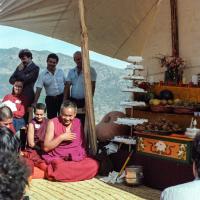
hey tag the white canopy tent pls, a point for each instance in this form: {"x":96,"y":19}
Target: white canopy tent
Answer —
{"x":112,"y":24}
{"x":116,"y":28}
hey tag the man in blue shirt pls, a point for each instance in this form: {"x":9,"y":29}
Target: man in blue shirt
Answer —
{"x":74,"y":87}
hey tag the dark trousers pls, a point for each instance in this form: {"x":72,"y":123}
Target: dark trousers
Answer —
{"x":53,"y":104}
{"x":80,"y":104}
{"x":23,"y":138}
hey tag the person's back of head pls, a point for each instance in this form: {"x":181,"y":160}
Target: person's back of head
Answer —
{"x":13,"y":176}
{"x":8,"y":141}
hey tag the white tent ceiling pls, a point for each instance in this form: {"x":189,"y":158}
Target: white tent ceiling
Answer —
{"x":116,"y":28}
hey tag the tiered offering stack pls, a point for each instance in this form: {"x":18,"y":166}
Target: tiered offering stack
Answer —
{"x":133,"y":77}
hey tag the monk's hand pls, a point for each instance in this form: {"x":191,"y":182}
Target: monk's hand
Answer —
{"x":69,"y":136}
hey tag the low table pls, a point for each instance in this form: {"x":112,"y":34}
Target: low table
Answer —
{"x":166,"y":159}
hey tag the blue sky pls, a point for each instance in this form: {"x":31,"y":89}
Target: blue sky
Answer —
{"x":13,"y":37}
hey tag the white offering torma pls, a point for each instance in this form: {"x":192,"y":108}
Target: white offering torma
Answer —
{"x":133,"y":89}
{"x":133,"y":77}
{"x":125,"y":140}
{"x":135,"y":59}
{"x":133,"y":67}
{"x":132,"y":103}
{"x":130,"y":121}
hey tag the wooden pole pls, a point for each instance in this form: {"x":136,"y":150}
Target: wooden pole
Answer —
{"x":87,"y":81}
{"x":174,"y":28}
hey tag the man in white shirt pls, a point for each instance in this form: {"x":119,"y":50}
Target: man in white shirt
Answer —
{"x":53,"y":80}
{"x":74,"y":87}
{"x":190,"y":190}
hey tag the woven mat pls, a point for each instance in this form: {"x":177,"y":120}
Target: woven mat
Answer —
{"x":141,"y":191}
{"x":93,"y":189}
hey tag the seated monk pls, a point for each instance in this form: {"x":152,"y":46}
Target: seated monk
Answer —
{"x":64,"y":143}
{"x":36,"y":134}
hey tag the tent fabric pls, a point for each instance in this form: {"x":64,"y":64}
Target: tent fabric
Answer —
{"x":116,"y":28}
{"x":112,"y":24}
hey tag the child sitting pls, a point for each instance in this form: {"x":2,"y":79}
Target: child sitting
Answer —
{"x":18,"y":105}
{"x":36,"y":134}
{"x":37,"y":127}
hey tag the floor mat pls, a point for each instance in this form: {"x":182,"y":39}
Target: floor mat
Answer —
{"x":141,"y":191}
{"x":93,"y":189}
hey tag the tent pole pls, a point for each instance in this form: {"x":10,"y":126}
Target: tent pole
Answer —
{"x":174,"y":28}
{"x":87,"y":81}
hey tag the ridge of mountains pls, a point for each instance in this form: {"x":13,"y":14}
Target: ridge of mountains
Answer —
{"x":108,"y":85}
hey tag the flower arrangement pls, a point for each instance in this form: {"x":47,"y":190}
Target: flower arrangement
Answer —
{"x":171,"y":62}
{"x":174,"y":68}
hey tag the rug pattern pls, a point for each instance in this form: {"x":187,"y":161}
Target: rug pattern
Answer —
{"x":93,"y":189}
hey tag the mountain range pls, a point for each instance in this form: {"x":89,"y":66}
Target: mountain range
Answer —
{"x":108,"y":85}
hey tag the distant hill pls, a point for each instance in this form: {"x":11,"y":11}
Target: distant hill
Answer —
{"x":107,"y":95}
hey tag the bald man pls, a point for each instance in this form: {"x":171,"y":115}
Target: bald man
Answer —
{"x":74,"y":87}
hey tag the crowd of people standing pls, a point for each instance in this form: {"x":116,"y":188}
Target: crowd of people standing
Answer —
{"x":58,"y":138}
